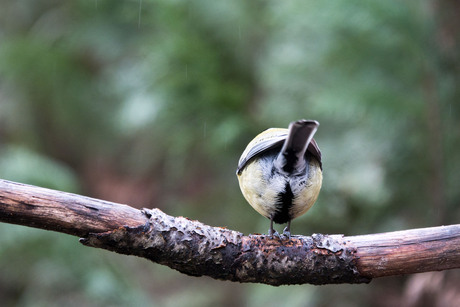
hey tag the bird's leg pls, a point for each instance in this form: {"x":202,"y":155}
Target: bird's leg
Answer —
{"x":271,"y":231}
{"x":287,"y":230}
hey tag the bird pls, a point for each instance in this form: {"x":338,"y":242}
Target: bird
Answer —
{"x":280,"y":172}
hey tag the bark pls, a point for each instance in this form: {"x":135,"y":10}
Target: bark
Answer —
{"x":197,"y":249}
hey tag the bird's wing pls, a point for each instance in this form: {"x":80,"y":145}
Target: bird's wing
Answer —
{"x":315,"y":151}
{"x":270,"y":139}
{"x":266,"y":140}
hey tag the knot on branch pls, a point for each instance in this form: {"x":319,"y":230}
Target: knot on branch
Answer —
{"x":196,"y":249}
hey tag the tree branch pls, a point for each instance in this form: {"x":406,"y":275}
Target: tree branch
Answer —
{"x":197,"y":249}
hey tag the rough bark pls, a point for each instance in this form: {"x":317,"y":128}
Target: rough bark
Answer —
{"x":197,"y":249}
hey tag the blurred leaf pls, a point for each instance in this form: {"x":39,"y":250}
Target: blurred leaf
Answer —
{"x":23,"y":165}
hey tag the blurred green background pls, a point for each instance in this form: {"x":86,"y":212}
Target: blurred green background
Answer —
{"x":150,"y":103}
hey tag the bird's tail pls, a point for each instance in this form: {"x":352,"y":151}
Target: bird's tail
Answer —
{"x":291,"y":158}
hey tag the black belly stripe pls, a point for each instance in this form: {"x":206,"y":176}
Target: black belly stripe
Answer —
{"x":283,"y":205}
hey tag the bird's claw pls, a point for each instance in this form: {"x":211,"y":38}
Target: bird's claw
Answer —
{"x":273,"y":233}
{"x":287,"y":233}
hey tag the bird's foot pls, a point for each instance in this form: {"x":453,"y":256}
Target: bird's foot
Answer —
{"x":273,"y":233}
{"x":287,"y":233}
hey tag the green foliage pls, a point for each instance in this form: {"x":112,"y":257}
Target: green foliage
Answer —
{"x":22,"y":165}
{"x":151,"y":103}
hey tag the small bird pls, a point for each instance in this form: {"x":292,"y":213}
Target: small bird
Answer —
{"x":280,"y":172}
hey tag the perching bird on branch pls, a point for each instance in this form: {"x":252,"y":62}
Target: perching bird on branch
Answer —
{"x":280,"y":172}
